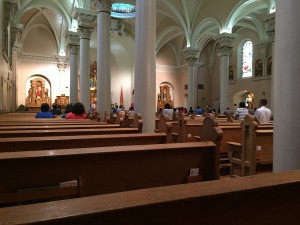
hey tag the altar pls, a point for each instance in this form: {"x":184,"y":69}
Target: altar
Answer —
{"x":37,"y":94}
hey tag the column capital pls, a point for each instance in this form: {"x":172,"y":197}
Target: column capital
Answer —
{"x":225,"y":39}
{"x":270,"y":21}
{"x":103,"y":5}
{"x":13,"y":35}
{"x":191,"y":55}
{"x":61,"y":66}
{"x":10,"y":9}
{"x":72,"y":38}
{"x":74,"y":49}
{"x":84,"y":17}
{"x":85,"y":32}
{"x":224,"y":51}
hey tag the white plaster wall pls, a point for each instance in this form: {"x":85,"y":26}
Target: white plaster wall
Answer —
{"x":171,"y":77}
{"x":27,"y":69}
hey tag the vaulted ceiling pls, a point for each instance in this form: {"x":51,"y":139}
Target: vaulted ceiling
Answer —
{"x":180,"y":23}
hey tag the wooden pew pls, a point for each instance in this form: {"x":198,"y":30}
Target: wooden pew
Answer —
{"x":167,"y":126}
{"x":79,"y":141}
{"x":105,"y":169}
{"x":57,"y":126}
{"x":261,"y":199}
{"x":256,"y":147}
{"x":37,"y":122}
{"x":66,"y":132}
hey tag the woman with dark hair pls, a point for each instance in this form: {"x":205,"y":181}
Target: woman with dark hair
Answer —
{"x":44,"y":113}
{"x":69,"y":108}
{"x":78,"y":112}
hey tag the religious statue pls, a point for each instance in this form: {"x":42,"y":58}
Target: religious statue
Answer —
{"x":249,"y":102}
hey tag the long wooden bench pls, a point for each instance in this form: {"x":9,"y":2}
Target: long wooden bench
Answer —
{"x":256,"y":147}
{"x":66,"y":132}
{"x":262,"y":199}
{"x":57,"y":126}
{"x":105,"y":169}
{"x":79,"y":141}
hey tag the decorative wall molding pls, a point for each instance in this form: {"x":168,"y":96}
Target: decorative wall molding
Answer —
{"x":40,"y":58}
{"x":171,"y":69}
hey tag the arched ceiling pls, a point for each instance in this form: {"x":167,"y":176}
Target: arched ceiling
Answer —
{"x":180,"y":23}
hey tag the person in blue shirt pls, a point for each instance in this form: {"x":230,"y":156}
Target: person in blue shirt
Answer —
{"x":44,"y":113}
{"x":198,"y":111}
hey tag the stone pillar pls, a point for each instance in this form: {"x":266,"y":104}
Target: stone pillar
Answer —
{"x":84,"y":18}
{"x":61,"y":75}
{"x":191,"y":57}
{"x":145,"y":63}
{"x":270,"y":20}
{"x":103,"y":57}
{"x":286,"y":141}
{"x":224,"y":50}
{"x":73,"y":45}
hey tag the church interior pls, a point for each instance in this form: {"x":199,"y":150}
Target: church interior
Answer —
{"x":145,"y":167}
{"x":35,"y":49}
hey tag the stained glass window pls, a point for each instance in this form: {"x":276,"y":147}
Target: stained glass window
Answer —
{"x":247,"y":56}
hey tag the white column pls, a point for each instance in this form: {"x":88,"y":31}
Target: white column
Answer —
{"x":103,"y":57}
{"x":286,"y":87}
{"x":271,"y":32}
{"x":61,"y":76}
{"x":223,"y":51}
{"x":84,"y":18}
{"x":73,"y":45}
{"x":145,"y":63}
{"x":191,"y":57}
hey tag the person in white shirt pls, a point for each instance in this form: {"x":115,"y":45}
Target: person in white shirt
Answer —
{"x":241,"y":111}
{"x":263,"y":114}
{"x":168,"y":111}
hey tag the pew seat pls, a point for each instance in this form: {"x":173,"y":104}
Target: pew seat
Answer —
{"x":261,"y":199}
{"x":79,"y":141}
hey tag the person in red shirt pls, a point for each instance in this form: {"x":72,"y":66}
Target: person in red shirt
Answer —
{"x":78,"y":112}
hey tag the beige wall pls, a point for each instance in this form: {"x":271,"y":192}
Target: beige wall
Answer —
{"x":27,"y":69}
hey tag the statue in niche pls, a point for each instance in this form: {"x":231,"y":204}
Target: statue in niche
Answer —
{"x":38,"y":90}
{"x":269,"y":67}
{"x":231,"y":73}
{"x":258,"y":68}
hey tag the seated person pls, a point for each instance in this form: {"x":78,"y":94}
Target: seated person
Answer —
{"x":191,"y":111}
{"x":263,"y":114}
{"x":44,"y":113}
{"x":69,"y":108}
{"x":78,"y":112}
{"x":55,"y":109}
{"x":167,"y":111}
{"x":241,"y":111}
{"x":198,"y":111}
{"x":227,"y":111}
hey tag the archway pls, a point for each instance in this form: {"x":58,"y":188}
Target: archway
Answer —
{"x":165,"y":95}
{"x":245,"y":96}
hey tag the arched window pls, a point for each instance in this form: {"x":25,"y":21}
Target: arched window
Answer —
{"x":247,"y":56}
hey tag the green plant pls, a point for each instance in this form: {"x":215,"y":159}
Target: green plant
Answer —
{"x":22,"y":108}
